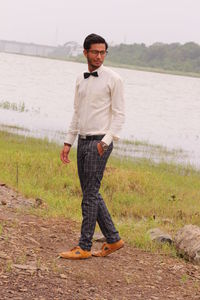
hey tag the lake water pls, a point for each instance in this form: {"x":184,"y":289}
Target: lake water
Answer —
{"x":161,"y":109}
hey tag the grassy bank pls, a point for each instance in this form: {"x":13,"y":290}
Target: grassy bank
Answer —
{"x":140,"y":194}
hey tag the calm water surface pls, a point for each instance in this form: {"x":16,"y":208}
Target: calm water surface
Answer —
{"x":161,"y":109}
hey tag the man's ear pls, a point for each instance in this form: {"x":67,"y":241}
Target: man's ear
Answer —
{"x":85,"y":53}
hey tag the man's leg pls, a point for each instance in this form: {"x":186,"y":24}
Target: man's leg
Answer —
{"x":105,"y":222}
{"x":91,"y":174}
{"x":77,"y":252}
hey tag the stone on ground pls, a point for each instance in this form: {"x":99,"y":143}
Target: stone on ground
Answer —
{"x":187,"y":242}
{"x":159,"y":236}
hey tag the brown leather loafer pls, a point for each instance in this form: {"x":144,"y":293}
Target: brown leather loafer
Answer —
{"x":108,"y":249}
{"x":76,"y":253}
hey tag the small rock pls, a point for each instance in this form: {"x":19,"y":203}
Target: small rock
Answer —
{"x":11,"y":292}
{"x":63,"y":276}
{"x":99,"y":238}
{"x":4,"y":276}
{"x":60,"y":291}
{"x":177,"y":267}
{"x":159,"y":278}
{"x":53,"y":236}
{"x":141,"y":261}
{"x":23,"y":290}
{"x":25,"y":267}
{"x":108,"y":281}
{"x":4,"y":255}
{"x":3,"y":202}
{"x":32,"y":240}
{"x":92,"y":290}
{"x":159,"y":236}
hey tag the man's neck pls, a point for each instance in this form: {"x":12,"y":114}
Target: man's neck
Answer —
{"x":92,"y":68}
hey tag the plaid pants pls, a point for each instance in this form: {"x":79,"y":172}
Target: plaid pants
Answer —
{"x":90,"y":170}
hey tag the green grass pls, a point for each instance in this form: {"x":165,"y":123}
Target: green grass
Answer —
{"x":12,"y":106}
{"x":139,"y":193}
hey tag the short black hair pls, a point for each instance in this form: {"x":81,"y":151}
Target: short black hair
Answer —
{"x":94,"y":39}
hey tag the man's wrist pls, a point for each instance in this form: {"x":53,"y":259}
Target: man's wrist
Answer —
{"x":67,"y":144}
{"x":104,"y":146}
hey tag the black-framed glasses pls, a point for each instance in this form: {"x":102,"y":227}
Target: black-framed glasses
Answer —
{"x":96,"y":52}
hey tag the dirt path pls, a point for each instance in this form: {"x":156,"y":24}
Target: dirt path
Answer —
{"x":30,"y":269}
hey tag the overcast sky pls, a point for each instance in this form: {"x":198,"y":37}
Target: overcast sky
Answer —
{"x":55,"y":22}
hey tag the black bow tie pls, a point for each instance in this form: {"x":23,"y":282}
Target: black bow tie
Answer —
{"x":87,"y":74}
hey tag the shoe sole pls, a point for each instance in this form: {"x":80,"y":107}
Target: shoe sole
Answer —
{"x":75,"y":258}
{"x":109,"y":252}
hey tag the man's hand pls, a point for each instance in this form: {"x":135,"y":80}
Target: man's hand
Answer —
{"x":102,"y":147}
{"x":65,"y":153}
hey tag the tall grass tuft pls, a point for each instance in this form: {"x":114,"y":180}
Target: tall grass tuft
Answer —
{"x":13,"y":106}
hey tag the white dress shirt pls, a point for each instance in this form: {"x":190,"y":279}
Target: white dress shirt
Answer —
{"x":98,"y":106}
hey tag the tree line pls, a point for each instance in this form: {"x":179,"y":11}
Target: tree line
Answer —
{"x":168,"y":57}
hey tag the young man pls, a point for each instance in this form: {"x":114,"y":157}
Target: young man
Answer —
{"x":97,"y":119}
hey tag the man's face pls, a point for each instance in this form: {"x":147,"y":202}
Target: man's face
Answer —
{"x":95,"y":56}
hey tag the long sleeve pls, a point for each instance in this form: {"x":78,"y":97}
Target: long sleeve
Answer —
{"x":117,"y":110}
{"x":73,"y":128}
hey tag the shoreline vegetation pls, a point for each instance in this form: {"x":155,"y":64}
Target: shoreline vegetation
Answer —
{"x":124,"y":148}
{"x":174,"y":58}
{"x":139,"y":193}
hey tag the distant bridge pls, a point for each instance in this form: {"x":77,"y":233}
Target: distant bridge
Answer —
{"x":26,"y":48}
{"x":68,"y":49}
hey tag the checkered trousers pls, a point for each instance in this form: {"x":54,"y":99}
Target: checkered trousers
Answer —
{"x":90,"y":169}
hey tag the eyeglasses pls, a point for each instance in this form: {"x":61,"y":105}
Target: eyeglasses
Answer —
{"x":96,"y":52}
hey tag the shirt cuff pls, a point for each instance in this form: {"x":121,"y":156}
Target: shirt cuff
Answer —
{"x":70,"y":138}
{"x":107,"y":139}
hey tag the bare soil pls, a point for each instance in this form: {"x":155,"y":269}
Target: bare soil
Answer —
{"x":30,"y":268}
